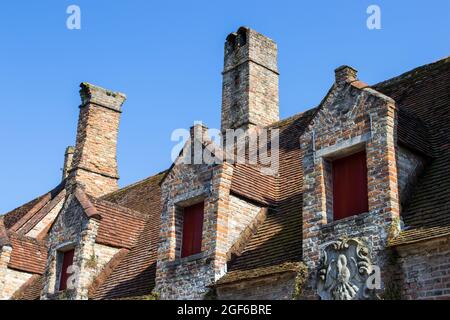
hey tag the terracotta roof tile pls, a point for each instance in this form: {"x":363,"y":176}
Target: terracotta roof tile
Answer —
{"x":28,"y":254}
{"x":134,"y":275}
{"x":26,"y":213}
{"x":424,"y":93}
{"x":236,"y":276}
{"x":419,"y":234}
{"x":119,"y":226}
{"x":278,"y":239}
{"x":30,"y":290}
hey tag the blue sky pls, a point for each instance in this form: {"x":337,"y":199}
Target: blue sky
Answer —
{"x":167,"y":57}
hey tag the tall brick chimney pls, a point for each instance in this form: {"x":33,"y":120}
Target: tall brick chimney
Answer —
{"x":94,"y":164}
{"x":250,"y":81}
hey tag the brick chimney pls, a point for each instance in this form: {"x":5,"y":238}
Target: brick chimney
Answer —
{"x":345,"y":74}
{"x":250,"y":81}
{"x":68,"y":158}
{"x":94,"y":164}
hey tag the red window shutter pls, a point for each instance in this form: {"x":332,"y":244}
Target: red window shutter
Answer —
{"x":192,"y":230}
{"x":350,"y":186}
{"x":67,"y":262}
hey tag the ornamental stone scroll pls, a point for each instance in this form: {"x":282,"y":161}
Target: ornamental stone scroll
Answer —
{"x":344,"y":271}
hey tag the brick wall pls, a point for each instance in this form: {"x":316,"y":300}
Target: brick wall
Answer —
{"x":350,"y":119}
{"x":422,"y":269}
{"x":187,"y":278}
{"x":73,"y":229}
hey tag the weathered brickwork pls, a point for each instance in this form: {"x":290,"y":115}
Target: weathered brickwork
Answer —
{"x":263,"y":237}
{"x":94,"y":164}
{"x":66,"y":234}
{"x":250,"y":81}
{"x":422,"y":270}
{"x":74,"y":230}
{"x":351,"y":118}
{"x":275,"y":287}
{"x":188,"y":278}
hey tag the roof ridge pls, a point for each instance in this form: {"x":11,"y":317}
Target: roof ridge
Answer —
{"x":89,"y":208}
{"x":134,"y":184}
{"x":412,"y":72}
{"x":295,"y":116}
{"x":34,"y":203}
{"x":22,"y":237}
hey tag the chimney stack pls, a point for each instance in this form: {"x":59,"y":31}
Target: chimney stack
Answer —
{"x":94,"y":164}
{"x":345,"y":74}
{"x":68,"y":158}
{"x":250,"y":81}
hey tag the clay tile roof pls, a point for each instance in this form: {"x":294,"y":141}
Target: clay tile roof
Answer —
{"x":414,"y":133}
{"x":28,"y":254}
{"x":236,"y":276}
{"x":31,"y":289}
{"x":419,"y":234}
{"x":16,"y":218}
{"x":86,"y":203}
{"x":248,"y":181}
{"x":133,"y":273}
{"x":278,"y":239}
{"x":424,"y":122}
{"x":33,"y":220}
{"x":139,"y":195}
{"x":119,"y":226}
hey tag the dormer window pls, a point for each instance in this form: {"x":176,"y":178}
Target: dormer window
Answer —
{"x":350,"y":195}
{"x":67,"y":261}
{"x":192,"y":229}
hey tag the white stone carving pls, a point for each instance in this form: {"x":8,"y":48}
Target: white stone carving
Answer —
{"x":344,"y":269}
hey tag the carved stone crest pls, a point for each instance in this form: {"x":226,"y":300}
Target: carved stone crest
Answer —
{"x":344,"y":270}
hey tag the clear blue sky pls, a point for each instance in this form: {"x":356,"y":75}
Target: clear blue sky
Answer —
{"x":167,"y":57}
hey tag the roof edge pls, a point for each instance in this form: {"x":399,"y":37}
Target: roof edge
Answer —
{"x":256,"y":273}
{"x":413,"y":72}
{"x":88,"y":208}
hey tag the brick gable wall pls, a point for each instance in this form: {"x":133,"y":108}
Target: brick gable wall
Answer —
{"x":350,"y":118}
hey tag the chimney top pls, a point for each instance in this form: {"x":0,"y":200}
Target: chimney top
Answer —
{"x":70,"y":149}
{"x":346,"y":74}
{"x":199,"y":131}
{"x":90,"y":93}
{"x":68,"y":158}
{"x":94,"y":164}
